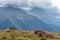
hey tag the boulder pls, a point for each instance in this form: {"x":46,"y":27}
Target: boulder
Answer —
{"x":40,"y":33}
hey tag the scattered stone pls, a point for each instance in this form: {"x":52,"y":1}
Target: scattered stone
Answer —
{"x":9,"y":29}
{"x":40,"y":33}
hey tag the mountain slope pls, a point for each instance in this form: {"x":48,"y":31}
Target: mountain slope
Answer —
{"x":22,"y":20}
{"x":47,"y":15}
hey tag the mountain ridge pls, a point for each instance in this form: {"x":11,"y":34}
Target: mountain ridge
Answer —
{"x":22,"y":20}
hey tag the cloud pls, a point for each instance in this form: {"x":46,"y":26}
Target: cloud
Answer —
{"x":29,"y":4}
{"x":56,"y":3}
{"x":26,"y":4}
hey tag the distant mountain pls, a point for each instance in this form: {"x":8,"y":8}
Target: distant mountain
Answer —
{"x":20,"y":19}
{"x":40,"y":11}
{"x":48,"y":16}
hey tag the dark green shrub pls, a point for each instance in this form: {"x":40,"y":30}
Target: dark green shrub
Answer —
{"x":4,"y":38}
{"x":13,"y":38}
{"x":43,"y":39}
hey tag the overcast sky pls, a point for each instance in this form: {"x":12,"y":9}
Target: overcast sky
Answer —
{"x":28,"y":4}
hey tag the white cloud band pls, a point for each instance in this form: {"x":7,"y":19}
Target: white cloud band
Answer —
{"x":28,"y":4}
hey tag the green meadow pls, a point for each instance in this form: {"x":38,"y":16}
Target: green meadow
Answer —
{"x":21,"y":35}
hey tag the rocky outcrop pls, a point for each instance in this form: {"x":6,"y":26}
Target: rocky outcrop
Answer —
{"x":40,"y":33}
{"x":11,"y":28}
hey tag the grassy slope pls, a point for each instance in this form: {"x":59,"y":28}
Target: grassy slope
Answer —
{"x":20,"y":35}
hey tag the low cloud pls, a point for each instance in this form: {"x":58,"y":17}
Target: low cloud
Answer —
{"x":26,"y":4}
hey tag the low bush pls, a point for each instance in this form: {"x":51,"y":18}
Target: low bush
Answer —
{"x":43,"y":39}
